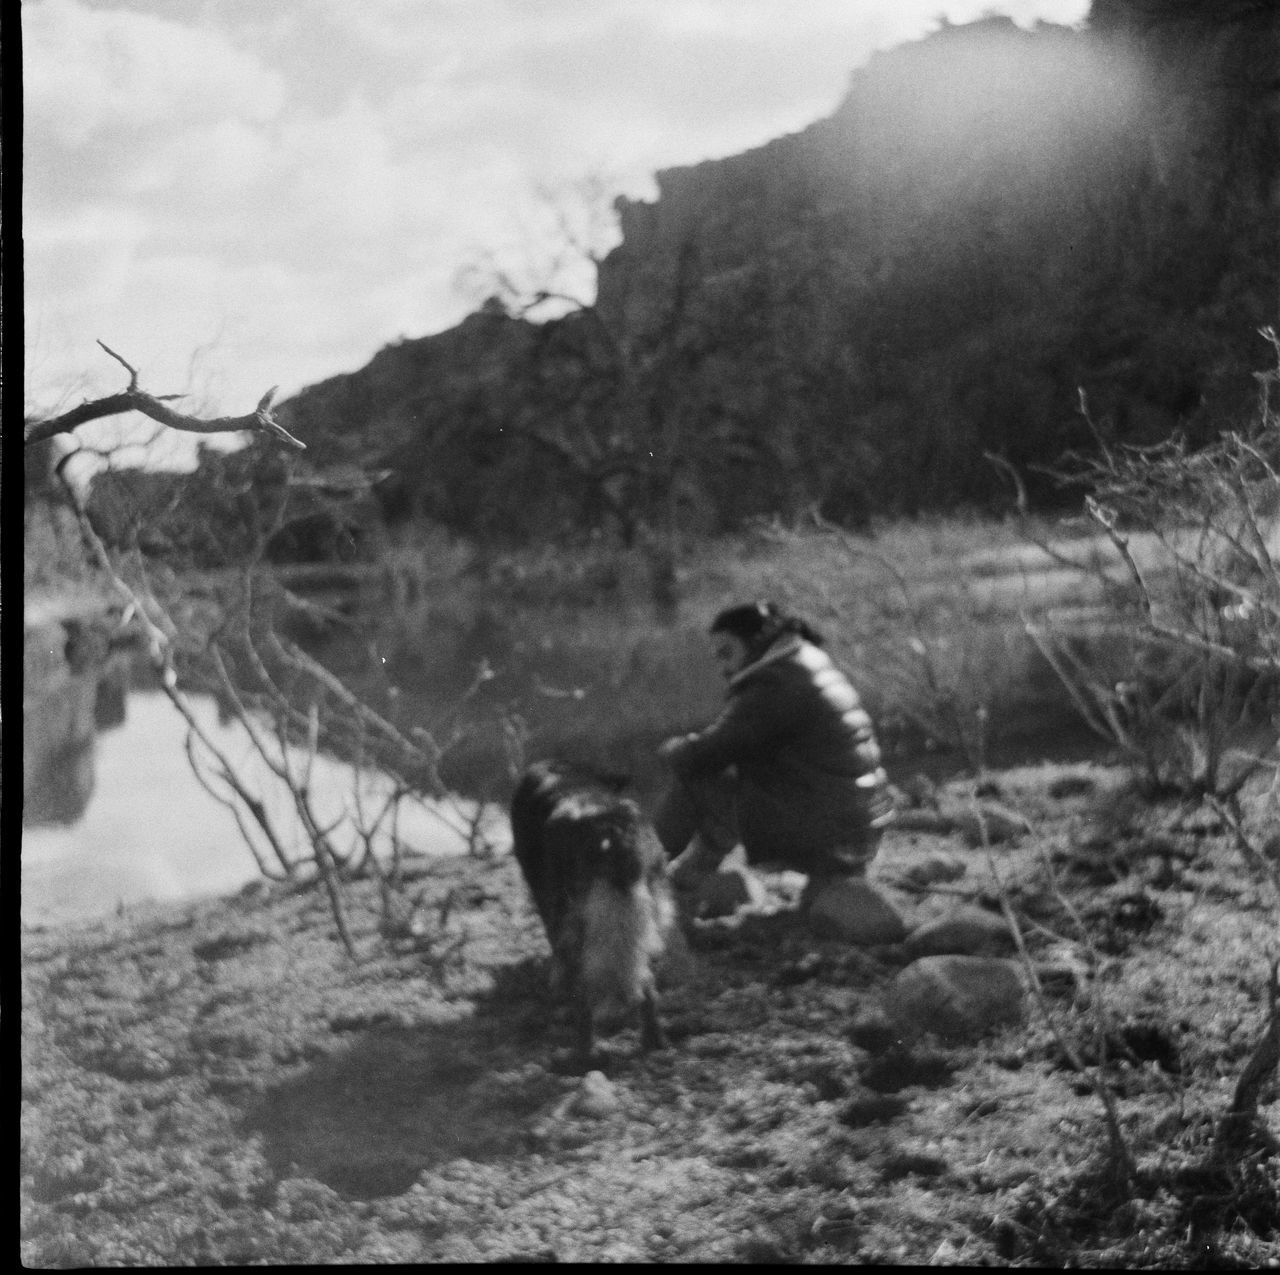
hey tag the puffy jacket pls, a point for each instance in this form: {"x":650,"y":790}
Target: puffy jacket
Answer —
{"x":811,"y":789}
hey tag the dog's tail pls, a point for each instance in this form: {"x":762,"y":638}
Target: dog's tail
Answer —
{"x":625,"y":930}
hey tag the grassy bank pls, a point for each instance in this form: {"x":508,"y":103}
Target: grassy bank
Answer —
{"x":928,"y":617}
{"x":566,"y":651}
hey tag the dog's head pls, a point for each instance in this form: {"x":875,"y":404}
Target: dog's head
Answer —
{"x":602,"y":837}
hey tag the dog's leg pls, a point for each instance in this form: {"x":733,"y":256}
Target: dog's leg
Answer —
{"x":651,"y":1034}
{"x":585,"y":1043}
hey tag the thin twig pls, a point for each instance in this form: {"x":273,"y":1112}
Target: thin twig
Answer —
{"x":1121,"y":1154}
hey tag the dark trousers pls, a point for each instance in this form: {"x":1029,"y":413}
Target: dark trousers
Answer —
{"x":706,"y":807}
{"x":698,"y":818}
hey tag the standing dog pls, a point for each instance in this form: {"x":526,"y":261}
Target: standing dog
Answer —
{"x":598,"y":877}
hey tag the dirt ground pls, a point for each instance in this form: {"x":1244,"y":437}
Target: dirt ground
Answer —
{"x":220,"y":1084}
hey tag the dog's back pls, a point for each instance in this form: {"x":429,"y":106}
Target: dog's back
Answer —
{"x":570,"y":827}
{"x":598,"y":878}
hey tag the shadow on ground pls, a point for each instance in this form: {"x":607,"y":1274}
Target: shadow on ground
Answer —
{"x":366,"y":1121}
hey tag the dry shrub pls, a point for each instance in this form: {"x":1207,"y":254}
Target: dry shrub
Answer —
{"x":1194,"y":580}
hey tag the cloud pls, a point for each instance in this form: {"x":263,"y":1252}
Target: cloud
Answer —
{"x":88,"y":73}
{"x":301,"y":180}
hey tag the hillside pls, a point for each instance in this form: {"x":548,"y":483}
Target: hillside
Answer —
{"x":848,"y":317}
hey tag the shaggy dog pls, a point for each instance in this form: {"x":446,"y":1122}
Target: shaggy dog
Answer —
{"x":598,"y":877}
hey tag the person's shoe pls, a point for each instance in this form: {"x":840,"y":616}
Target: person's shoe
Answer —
{"x":691,"y":868}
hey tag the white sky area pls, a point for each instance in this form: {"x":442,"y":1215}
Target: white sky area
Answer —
{"x":240,"y":193}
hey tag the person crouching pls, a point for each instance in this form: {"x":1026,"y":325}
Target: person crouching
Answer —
{"x":790,"y":768}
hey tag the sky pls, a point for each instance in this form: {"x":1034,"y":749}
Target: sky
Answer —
{"x":235,"y":194}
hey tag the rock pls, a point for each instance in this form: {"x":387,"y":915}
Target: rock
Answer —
{"x":986,"y":823}
{"x":871,"y":1108}
{"x":728,"y":889}
{"x":809,"y":966}
{"x":924,"y":820}
{"x":596,"y":1097}
{"x":873,"y":1030}
{"x":1063,"y":978}
{"x":915,"y":791}
{"x":902,"y":1164}
{"x":852,"y":909}
{"x":1071,"y":786}
{"x":936,"y":867}
{"x":958,"y":997}
{"x":966,"y":931}
{"x":990,"y":823}
{"x":903,"y":1066}
{"x":1203,"y":820}
{"x":946,"y":1254}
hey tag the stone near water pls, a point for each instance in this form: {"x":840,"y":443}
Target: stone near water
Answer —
{"x":965,"y":931}
{"x":855,"y":911}
{"x":989,"y":824}
{"x":958,"y":997}
{"x":935,"y":867}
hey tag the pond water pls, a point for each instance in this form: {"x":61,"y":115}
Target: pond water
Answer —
{"x":150,"y":831}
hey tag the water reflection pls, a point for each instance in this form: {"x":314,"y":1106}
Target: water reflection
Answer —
{"x":150,"y":831}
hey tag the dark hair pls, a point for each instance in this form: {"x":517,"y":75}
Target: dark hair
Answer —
{"x":759,"y":623}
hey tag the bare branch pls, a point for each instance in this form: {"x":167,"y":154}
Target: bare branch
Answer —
{"x":260,"y":420}
{"x":422,"y":754}
{"x":1241,"y":1116}
{"x":246,"y":800}
{"x":1020,"y":488}
{"x":1122,"y":1155}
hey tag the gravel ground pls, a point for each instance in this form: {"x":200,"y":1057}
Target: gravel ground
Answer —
{"x":220,"y":1084}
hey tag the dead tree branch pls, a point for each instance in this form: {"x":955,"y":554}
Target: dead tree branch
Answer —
{"x":133,"y":399}
{"x":159,"y":646}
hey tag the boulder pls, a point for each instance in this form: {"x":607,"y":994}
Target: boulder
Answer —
{"x":934,"y":867}
{"x":965,"y":931}
{"x":960,"y":998}
{"x":988,"y":823}
{"x":855,"y":911}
